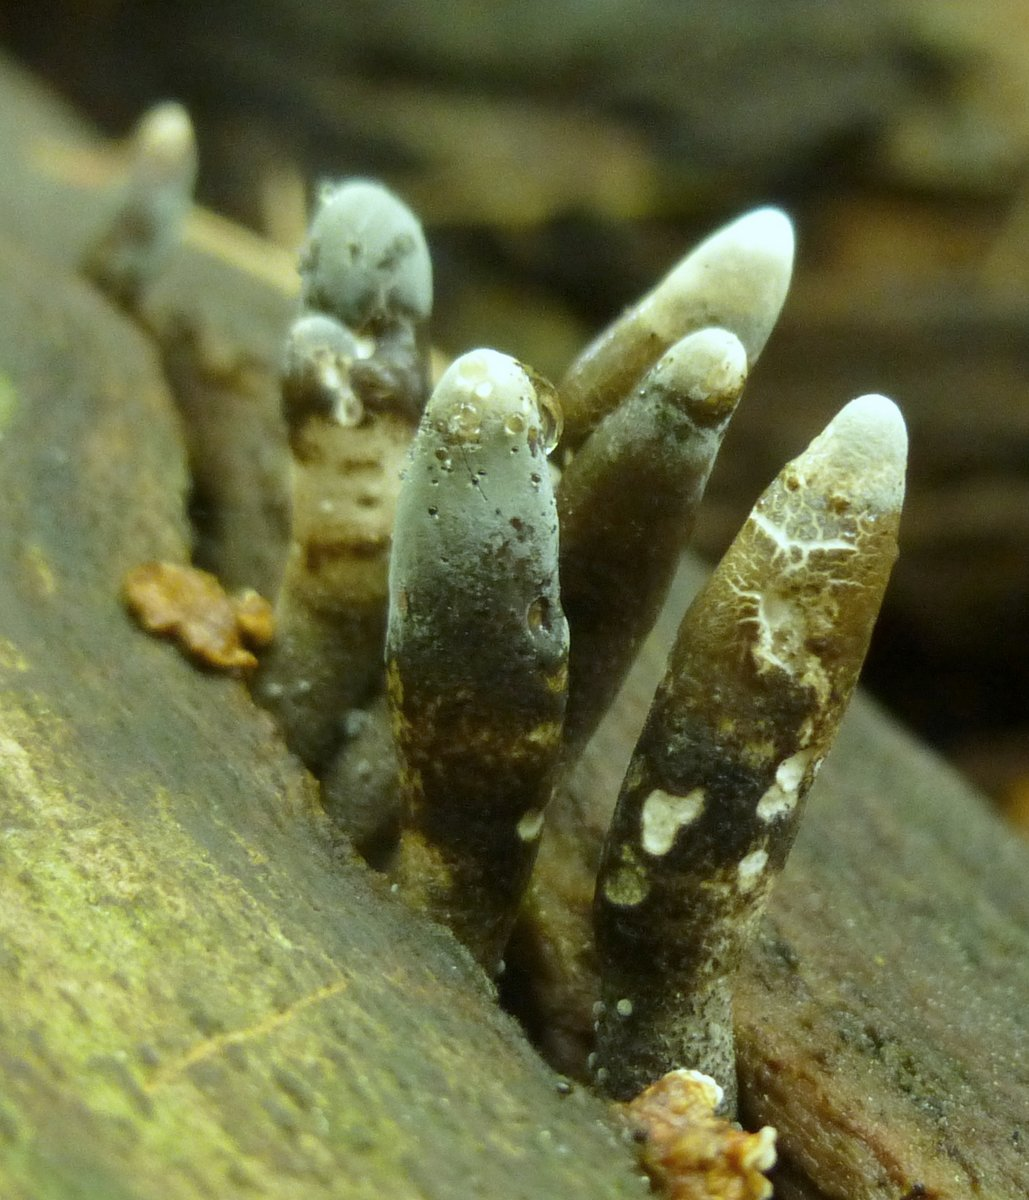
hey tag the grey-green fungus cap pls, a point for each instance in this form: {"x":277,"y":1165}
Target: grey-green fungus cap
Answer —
{"x":365,"y":260}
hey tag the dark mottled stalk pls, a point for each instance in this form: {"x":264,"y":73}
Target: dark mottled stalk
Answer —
{"x":354,"y":381}
{"x":736,"y":279}
{"x":765,"y":663}
{"x":476,"y":649}
{"x":627,"y":503}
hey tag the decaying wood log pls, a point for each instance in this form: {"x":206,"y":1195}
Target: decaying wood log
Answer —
{"x":200,"y":994}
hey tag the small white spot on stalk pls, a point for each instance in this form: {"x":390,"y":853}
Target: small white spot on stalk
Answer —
{"x":530,"y":825}
{"x":750,"y":868}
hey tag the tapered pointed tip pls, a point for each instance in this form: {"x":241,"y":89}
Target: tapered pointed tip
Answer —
{"x":738,"y":278}
{"x":868,"y":439}
{"x":768,"y":231}
{"x":876,"y":420}
{"x":165,"y":134}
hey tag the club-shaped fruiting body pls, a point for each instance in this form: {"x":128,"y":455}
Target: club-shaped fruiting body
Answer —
{"x":736,"y":279}
{"x":365,"y":260}
{"x":476,"y":648}
{"x":152,"y":207}
{"x":765,"y":662}
{"x":627,"y":503}
{"x":354,"y":382}
{"x":364,"y":267}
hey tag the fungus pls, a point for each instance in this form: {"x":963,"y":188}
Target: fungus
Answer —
{"x":445,"y":781}
{"x":737,"y":279}
{"x":152,"y":206}
{"x":765,"y":663}
{"x":476,"y":649}
{"x":354,"y":380}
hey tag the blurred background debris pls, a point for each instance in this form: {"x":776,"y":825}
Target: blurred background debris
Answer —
{"x":563,"y":155}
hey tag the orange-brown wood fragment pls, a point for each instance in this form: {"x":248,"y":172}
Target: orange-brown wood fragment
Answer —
{"x":691,"y":1154}
{"x":191,"y":606}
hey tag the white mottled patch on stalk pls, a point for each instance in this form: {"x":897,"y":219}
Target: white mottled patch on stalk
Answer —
{"x":531,"y":824}
{"x":624,"y":1007}
{"x":782,"y":629}
{"x":664,"y":814}
{"x":781,"y":798}
{"x":751,"y":868}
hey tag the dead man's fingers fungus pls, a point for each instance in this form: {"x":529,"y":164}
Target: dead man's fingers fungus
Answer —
{"x":627,"y":504}
{"x":737,"y":279}
{"x":366,"y":264}
{"x":152,"y":206}
{"x":365,"y":259}
{"x":366,"y":294}
{"x":476,"y":648}
{"x":765,"y":662}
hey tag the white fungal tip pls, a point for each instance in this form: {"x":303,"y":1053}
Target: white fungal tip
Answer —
{"x":877,"y":421}
{"x":165,"y":135}
{"x":485,"y":395}
{"x":492,"y":378}
{"x":866,"y":441}
{"x":366,"y":256}
{"x":737,"y":278}
{"x":765,"y":231}
{"x":709,"y":366}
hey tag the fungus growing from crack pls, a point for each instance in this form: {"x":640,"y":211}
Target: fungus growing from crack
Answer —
{"x":152,"y":206}
{"x":354,"y":382}
{"x":476,"y":649}
{"x":454,"y":804}
{"x":765,"y":663}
